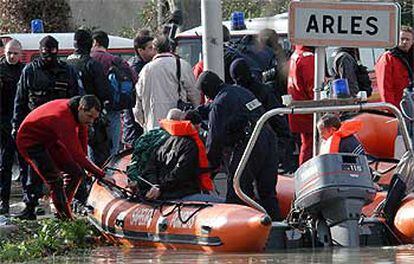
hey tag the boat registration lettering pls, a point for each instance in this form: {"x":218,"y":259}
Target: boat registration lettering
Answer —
{"x":142,"y":216}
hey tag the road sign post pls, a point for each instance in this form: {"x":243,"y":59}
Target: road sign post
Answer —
{"x":343,"y":24}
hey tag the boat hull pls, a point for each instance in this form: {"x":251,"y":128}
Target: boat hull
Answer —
{"x":187,"y":225}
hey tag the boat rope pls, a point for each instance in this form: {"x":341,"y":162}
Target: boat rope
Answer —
{"x":179,"y":206}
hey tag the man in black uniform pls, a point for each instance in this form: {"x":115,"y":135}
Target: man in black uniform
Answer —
{"x":43,"y":80}
{"x":95,"y":82}
{"x":233,"y":114}
{"x":10,"y":70}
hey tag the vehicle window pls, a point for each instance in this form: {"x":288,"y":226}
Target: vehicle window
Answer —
{"x":189,"y":50}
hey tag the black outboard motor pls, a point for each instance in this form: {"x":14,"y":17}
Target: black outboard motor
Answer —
{"x":331,"y":190}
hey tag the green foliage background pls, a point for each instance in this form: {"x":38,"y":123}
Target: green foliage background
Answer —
{"x":16,"y":15}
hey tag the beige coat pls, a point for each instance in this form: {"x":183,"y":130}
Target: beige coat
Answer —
{"x":157,"y":89}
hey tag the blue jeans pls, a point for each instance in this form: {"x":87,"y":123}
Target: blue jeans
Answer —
{"x":131,"y":130}
{"x":114,"y":130}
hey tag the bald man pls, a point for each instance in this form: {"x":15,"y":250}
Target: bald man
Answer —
{"x":10,"y":70}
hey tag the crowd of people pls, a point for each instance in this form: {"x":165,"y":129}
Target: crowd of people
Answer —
{"x":67,"y":117}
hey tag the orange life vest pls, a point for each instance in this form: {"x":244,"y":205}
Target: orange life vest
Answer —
{"x":185,"y":128}
{"x":331,"y":145}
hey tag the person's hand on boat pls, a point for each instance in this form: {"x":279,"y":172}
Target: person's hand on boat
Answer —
{"x":133,"y":186}
{"x":153,"y":193}
{"x":109,"y":179}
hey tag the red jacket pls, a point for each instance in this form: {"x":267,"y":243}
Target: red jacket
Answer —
{"x":300,"y":86}
{"x":392,"y":78}
{"x":53,"y":124}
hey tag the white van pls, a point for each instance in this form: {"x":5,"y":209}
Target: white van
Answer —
{"x":122,"y":47}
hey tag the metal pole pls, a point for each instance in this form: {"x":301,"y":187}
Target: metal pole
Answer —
{"x":159,"y":12}
{"x":212,"y":36}
{"x":319,"y":79}
{"x":308,"y":110}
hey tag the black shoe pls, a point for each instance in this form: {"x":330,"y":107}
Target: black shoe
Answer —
{"x":4,"y":209}
{"x":28,"y":213}
{"x":40,"y":211}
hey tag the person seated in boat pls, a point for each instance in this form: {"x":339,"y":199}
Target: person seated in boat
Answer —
{"x":337,"y":137}
{"x":178,"y":169}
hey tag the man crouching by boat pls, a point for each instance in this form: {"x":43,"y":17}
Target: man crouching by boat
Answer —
{"x":178,"y":169}
{"x":53,"y":140}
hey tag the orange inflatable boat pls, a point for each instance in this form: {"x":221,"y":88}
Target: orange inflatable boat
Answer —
{"x":217,"y":227}
{"x":211,"y":227}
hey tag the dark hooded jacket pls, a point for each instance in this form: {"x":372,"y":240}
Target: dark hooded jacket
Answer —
{"x":241,"y":75}
{"x":233,"y":113}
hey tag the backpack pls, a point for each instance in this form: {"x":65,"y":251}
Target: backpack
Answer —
{"x":121,"y":85}
{"x":364,"y":83}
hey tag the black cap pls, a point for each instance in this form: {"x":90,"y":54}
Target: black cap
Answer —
{"x":209,"y":83}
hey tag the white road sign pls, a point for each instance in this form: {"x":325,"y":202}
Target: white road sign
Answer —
{"x":345,"y":24}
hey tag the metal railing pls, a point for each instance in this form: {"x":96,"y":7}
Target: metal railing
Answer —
{"x":309,"y":110}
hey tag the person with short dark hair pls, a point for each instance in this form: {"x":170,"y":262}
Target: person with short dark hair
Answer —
{"x":144,"y":52}
{"x":338,"y":137}
{"x":100,"y":54}
{"x":159,"y":83}
{"x":53,"y":139}
{"x":100,"y":39}
{"x":394,"y":69}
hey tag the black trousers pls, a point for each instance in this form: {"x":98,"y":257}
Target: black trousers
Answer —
{"x":8,"y":152}
{"x":262,"y":169}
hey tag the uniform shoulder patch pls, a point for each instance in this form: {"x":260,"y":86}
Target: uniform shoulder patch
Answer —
{"x":253,"y":104}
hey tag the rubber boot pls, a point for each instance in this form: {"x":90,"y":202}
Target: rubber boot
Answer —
{"x":28,"y":213}
{"x":61,"y":204}
{"x":4,"y":208}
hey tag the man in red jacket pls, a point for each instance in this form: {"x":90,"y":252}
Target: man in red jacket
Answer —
{"x":300,"y":86}
{"x":394,"y":68}
{"x":53,"y":140}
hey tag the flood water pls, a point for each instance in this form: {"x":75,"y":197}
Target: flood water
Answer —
{"x":384,"y":255}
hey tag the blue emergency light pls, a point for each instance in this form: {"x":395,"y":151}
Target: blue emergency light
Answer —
{"x":37,"y":26}
{"x":237,"y":21}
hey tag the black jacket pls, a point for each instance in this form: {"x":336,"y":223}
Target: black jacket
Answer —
{"x":92,"y":75}
{"x":137,"y":63}
{"x":265,"y":93}
{"x":38,"y":85}
{"x":233,"y":111}
{"x":9,"y":77}
{"x":174,"y":167}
